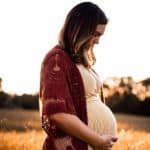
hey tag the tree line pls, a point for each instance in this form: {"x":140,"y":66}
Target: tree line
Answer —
{"x":121,"y":94}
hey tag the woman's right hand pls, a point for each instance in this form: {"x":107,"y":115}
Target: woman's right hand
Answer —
{"x":107,"y":142}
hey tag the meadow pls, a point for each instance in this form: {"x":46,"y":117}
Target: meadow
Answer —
{"x":21,"y":130}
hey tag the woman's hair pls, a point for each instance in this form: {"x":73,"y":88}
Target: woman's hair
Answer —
{"x":79,"y":28}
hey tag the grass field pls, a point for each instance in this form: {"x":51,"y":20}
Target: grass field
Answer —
{"x":21,"y":130}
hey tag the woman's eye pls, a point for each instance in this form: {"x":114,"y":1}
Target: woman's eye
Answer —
{"x":97,"y":34}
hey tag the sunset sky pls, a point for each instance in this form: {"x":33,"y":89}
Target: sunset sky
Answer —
{"x":29,"y":28}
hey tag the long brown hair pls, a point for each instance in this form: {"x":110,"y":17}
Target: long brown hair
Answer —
{"x":79,"y":28}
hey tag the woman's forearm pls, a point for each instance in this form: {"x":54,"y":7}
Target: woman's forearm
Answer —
{"x":72,"y":125}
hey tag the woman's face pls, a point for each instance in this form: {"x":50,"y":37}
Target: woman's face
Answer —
{"x":98,"y":33}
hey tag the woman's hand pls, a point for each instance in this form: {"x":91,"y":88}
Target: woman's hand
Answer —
{"x":107,"y":142}
{"x":73,"y":126}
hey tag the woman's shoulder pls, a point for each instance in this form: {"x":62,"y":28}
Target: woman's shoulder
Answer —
{"x":56,"y":51}
{"x":53,"y":51}
{"x":57,"y":56}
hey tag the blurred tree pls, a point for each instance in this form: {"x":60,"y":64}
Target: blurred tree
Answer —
{"x":5,"y":99}
{"x":129,"y":96}
{"x":0,"y":84}
{"x":146,"y":82}
{"x":26,"y":101}
{"x":145,"y":107}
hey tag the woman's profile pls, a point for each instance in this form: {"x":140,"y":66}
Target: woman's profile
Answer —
{"x":74,"y":115}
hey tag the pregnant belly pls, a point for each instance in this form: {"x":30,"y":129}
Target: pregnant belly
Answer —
{"x":100,"y":117}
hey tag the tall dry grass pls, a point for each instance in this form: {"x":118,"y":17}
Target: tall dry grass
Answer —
{"x":21,"y":130}
{"x":28,"y":140}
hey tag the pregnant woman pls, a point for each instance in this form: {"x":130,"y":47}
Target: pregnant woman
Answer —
{"x":73,"y":115}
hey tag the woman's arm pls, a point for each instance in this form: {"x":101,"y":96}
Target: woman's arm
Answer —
{"x":72,"y":125}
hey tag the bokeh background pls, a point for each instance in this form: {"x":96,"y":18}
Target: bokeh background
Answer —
{"x":30,"y":28}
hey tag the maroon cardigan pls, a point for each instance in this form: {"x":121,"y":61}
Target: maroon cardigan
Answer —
{"x":61,"y":90}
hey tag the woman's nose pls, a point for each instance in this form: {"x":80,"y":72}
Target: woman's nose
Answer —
{"x":96,"y":40}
